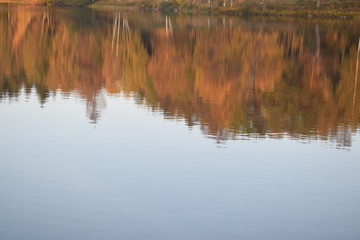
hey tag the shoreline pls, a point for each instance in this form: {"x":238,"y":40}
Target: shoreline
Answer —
{"x":243,"y":11}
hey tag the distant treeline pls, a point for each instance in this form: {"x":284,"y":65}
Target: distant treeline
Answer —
{"x":306,"y":8}
{"x":300,"y":8}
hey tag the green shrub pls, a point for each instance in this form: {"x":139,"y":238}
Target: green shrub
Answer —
{"x":168,"y":6}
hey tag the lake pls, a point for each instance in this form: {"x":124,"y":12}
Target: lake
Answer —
{"x":139,"y":125}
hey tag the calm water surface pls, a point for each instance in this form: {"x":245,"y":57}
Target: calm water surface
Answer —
{"x":132,"y":125}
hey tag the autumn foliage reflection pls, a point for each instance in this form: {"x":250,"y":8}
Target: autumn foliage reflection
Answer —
{"x":233,"y":77}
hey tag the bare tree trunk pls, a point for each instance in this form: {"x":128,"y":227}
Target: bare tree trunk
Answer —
{"x":318,"y":3}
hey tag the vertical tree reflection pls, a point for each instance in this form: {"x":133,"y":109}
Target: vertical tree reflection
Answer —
{"x":232,"y":77}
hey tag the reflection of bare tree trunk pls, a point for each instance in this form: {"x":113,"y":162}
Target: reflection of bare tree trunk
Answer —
{"x":118,"y":34}
{"x":316,"y":60}
{"x":114,"y":30}
{"x":356,"y":77}
{"x":45,"y":18}
{"x":125,"y":34}
{"x":171,"y":29}
{"x":168,"y":27}
{"x":317,"y":45}
{"x":254,"y":63}
{"x":127,"y":28}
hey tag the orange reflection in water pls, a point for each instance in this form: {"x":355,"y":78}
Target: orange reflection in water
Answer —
{"x":233,"y":77}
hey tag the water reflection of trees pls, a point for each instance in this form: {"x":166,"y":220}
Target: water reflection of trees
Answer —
{"x":233,"y":77}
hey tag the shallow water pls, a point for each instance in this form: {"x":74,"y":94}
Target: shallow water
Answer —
{"x":128,"y":125}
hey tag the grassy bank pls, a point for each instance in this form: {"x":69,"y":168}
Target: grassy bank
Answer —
{"x":298,"y":8}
